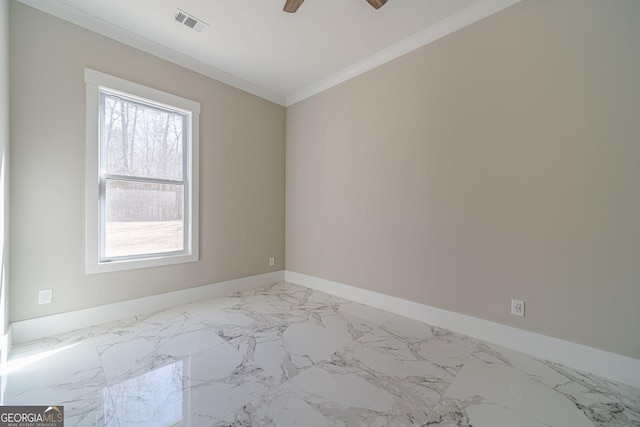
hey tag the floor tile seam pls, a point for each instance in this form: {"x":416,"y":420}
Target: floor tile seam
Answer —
{"x":631,"y":396}
{"x":18,"y":348}
{"x":99,"y":353}
{"x":442,"y":345}
{"x":509,"y":367}
{"x":536,"y":379}
{"x":566,"y":370}
{"x":144,"y":328}
{"x":444,"y":392}
{"x":433,"y":338}
{"x":329,"y":356}
{"x":360,"y":367}
{"x":265,"y":396}
{"x":423,"y":372}
{"x":300,"y":390}
{"x":106,"y":380}
{"x":126,"y":329}
{"x":373,"y":347}
{"x":115,"y":380}
{"x":231,"y":412}
{"x":465,"y":356}
{"x":516,"y":369}
{"x":364,"y":320}
{"x":405,"y":363}
{"x":395,"y":316}
{"x":203,"y":317}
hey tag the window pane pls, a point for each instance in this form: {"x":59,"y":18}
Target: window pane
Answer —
{"x":143,"y":218}
{"x":142,"y":140}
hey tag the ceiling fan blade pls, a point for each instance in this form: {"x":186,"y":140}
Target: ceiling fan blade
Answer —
{"x":292,"y":5}
{"x":377,"y":4}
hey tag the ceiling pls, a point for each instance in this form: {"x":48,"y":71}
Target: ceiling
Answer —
{"x":255,"y":46}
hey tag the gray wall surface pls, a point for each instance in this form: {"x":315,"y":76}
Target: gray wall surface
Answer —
{"x":499,"y":162}
{"x":242,"y":154}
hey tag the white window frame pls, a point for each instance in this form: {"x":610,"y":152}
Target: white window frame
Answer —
{"x":95,"y":82}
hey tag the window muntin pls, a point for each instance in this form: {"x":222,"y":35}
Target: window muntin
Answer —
{"x":142,"y":176}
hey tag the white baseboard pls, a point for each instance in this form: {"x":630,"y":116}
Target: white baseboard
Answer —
{"x":27,"y":330}
{"x":589,"y":359}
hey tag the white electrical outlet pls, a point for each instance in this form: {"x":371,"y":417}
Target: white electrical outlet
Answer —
{"x":272,"y":261}
{"x":45,"y":296}
{"x":517,"y":307}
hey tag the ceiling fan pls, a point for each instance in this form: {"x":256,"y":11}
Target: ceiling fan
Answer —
{"x":292,"y":6}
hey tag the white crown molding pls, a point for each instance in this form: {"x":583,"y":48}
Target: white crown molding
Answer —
{"x":605,"y":364}
{"x":27,"y":330}
{"x":453,"y":23}
{"x":95,"y":24}
{"x":459,"y":20}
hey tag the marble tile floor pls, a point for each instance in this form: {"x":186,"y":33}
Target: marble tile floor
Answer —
{"x":284,"y":355}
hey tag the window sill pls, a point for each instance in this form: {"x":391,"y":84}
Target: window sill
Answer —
{"x":112,"y":266}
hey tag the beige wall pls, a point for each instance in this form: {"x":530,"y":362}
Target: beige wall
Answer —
{"x":499,"y":162}
{"x":241,"y":170}
{"x":502,"y":161}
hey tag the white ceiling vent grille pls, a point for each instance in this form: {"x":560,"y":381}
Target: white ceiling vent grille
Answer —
{"x":190,"y":21}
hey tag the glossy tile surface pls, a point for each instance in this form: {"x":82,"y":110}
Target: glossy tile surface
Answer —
{"x":284,"y":355}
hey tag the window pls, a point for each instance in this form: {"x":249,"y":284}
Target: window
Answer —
{"x":142,"y":188}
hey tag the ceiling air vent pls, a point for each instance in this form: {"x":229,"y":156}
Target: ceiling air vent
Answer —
{"x":194,"y":23}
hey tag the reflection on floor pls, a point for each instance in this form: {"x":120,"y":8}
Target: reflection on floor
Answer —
{"x":284,"y":355}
